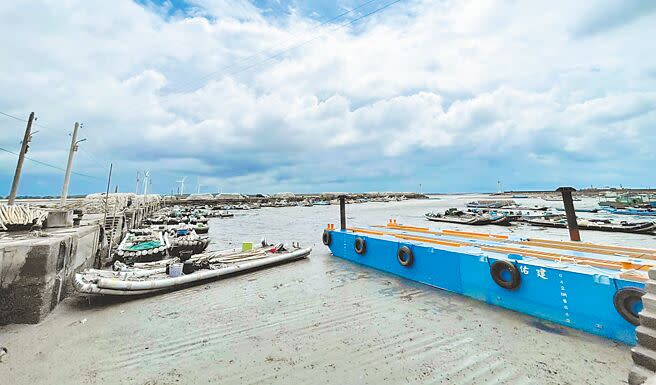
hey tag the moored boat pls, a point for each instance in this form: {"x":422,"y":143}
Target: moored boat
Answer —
{"x":454,"y":215}
{"x":184,"y":239}
{"x":172,"y":274}
{"x":491,"y":204}
{"x":201,"y":228}
{"x":142,"y":245}
{"x":631,"y":211}
{"x":594,"y":288}
{"x":595,"y":225}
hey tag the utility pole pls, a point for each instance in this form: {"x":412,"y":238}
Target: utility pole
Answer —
{"x":69,"y":165}
{"x":21,"y":158}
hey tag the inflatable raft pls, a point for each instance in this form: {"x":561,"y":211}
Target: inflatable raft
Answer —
{"x":590,"y":287}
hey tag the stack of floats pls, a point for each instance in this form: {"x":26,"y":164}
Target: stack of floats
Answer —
{"x":20,"y":217}
{"x":148,"y":278}
{"x":590,"y":287}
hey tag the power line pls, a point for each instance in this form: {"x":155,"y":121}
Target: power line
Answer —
{"x":22,"y":120}
{"x":50,"y":165}
{"x":13,"y":117}
{"x":92,"y":158}
{"x":211,"y":74}
{"x":315,"y":38}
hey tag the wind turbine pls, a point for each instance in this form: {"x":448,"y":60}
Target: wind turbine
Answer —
{"x":146,"y":181}
{"x":181,"y":181}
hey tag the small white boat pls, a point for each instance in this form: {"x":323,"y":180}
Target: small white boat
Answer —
{"x":170,"y":274}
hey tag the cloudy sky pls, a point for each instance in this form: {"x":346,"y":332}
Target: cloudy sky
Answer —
{"x":305,"y":96}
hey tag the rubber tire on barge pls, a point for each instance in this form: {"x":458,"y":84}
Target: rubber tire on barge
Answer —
{"x":327,"y":238}
{"x":405,"y":256}
{"x":360,"y":246}
{"x":496,"y":271}
{"x":624,"y":301}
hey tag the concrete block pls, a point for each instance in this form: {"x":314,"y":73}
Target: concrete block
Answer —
{"x":648,"y":318}
{"x":60,"y":218}
{"x":639,"y":375}
{"x":646,"y":337}
{"x":37,"y":272}
{"x":644,"y":357}
{"x":652,"y":274}
{"x":649,"y":301}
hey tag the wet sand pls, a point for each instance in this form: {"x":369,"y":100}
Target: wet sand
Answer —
{"x":320,"y":320}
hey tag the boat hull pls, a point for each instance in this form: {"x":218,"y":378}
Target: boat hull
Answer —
{"x":581,"y":300}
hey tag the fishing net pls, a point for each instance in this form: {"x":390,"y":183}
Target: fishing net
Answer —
{"x":145,"y":245}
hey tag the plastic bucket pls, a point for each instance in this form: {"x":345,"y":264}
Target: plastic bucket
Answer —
{"x":175,"y":270}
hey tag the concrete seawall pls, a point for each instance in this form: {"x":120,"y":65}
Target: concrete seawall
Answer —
{"x":36,"y":272}
{"x":644,"y":353}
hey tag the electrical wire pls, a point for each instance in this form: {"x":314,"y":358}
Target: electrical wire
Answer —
{"x":315,"y":38}
{"x":12,"y":116}
{"x":212,"y":74}
{"x":34,"y":123}
{"x":50,"y":165}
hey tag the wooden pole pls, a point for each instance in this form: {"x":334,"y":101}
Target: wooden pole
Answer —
{"x":342,"y":212}
{"x":572,"y":224}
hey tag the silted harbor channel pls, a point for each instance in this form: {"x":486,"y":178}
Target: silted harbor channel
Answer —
{"x":320,"y":320}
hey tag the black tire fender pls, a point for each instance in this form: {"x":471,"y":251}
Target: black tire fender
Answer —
{"x":498,"y":267}
{"x":624,"y":299}
{"x":327,"y":238}
{"x":360,"y":245}
{"x":405,"y":256}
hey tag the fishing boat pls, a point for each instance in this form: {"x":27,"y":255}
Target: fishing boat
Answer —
{"x":625,"y":201}
{"x":321,"y":203}
{"x":595,"y":224}
{"x":142,"y":245}
{"x":580,"y":210}
{"x":195,"y":219}
{"x":594,"y":288}
{"x":453,"y":215}
{"x":557,"y":198}
{"x":156,"y":220}
{"x":630,"y":211}
{"x":173,"y":274}
{"x":225,"y":214}
{"x":491,"y":204}
{"x":201,"y":228}
{"x":184,"y":239}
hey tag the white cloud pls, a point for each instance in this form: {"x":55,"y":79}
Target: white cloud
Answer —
{"x":454,"y":82}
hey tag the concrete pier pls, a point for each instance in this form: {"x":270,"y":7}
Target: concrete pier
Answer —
{"x":36,"y":271}
{"x":37,"y":268}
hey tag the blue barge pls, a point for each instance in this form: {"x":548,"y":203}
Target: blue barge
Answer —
{"x":590,"y":287}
